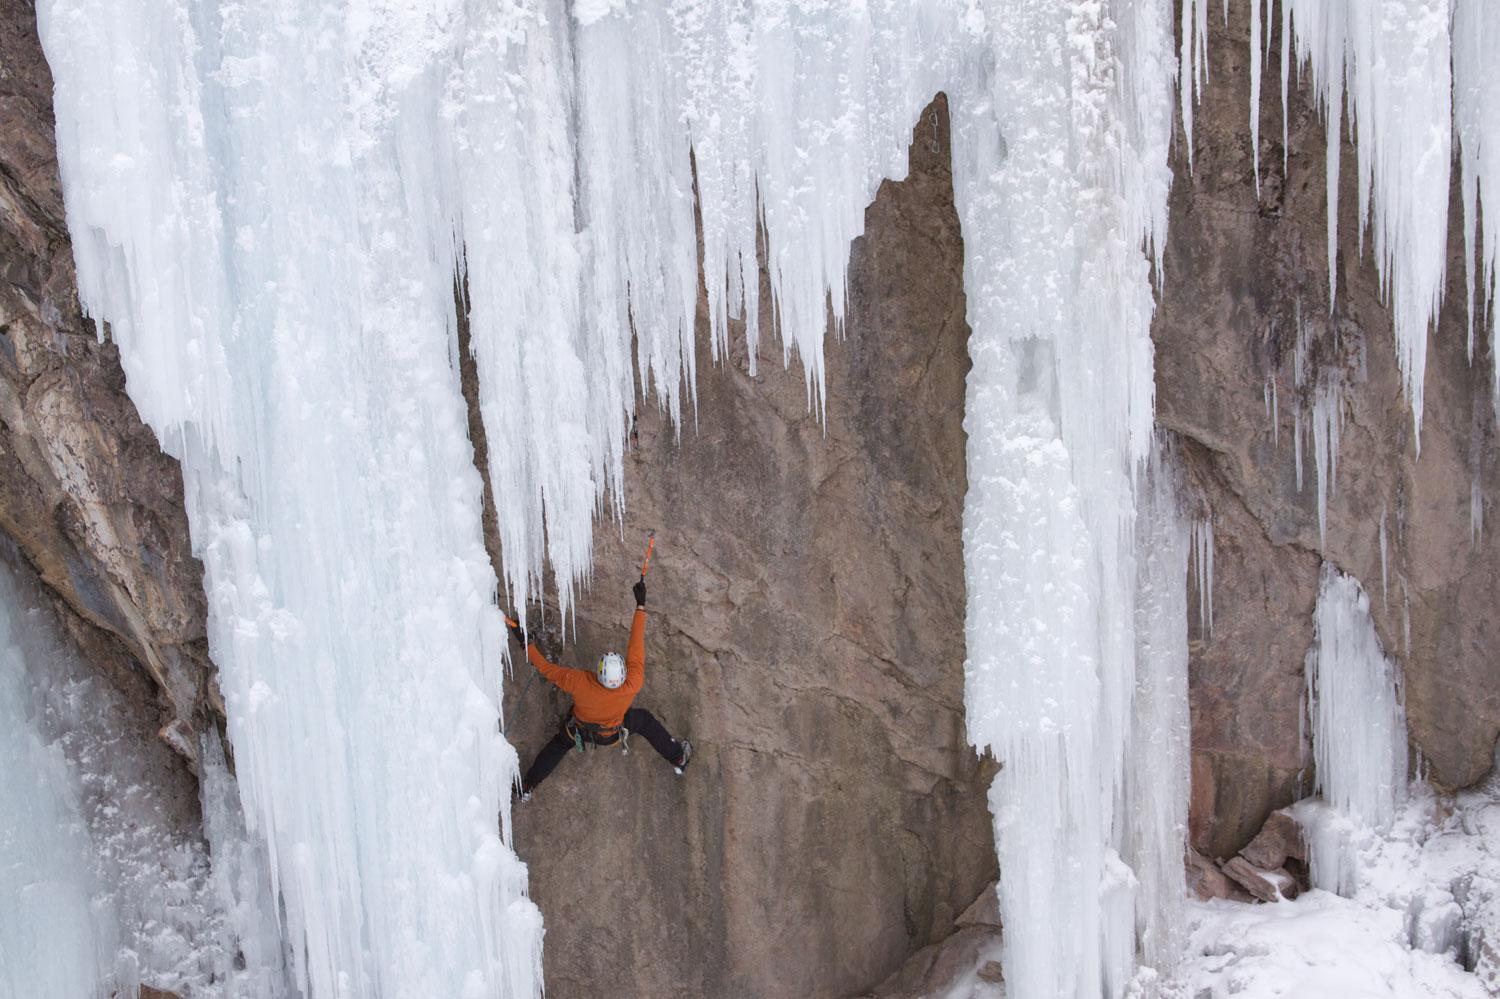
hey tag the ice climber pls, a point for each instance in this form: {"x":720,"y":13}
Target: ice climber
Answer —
{"x":602,"y":714}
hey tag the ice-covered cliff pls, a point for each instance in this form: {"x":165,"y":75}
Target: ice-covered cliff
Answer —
{"x":273,"y":210}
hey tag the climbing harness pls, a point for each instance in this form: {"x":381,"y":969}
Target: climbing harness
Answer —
{"x":586,"y":734}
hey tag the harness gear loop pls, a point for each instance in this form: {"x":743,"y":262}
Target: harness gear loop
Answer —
{"x":586,"y":734}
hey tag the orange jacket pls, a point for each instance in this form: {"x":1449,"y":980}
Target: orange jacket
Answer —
{"x":593,"y":702}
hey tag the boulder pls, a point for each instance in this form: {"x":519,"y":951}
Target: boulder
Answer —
{"x":1278,"y":841}
{"x":984,"y":910}
{"x":1268,"y":886}
{"x":969,"y":957}
{"x":1206,"y":881}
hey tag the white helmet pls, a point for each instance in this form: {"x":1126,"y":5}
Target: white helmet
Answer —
{"x":611,"y":670}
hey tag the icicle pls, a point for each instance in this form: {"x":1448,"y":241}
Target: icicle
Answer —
{"x":1384,"y":588}
{"x":1202,"y":537}
{"x":1193,"y":64}
{"x":1255,"y":58}
{"x":1327,"y":422}
{"x":1186,"y":91}
{"x":1275,"y":415}
{"x":1358,"y":726}
{"x":1299,"y":347}
{"x":1286,"y":74}
{"x":1297,"y":444}
{"x":1476,"y":511}
{"x":1157,"y":782}
{"x":1477,"y":422}
{"x":1272,"y":403}
{"x":1405,"y":617}
{"x":1059,"y":416}
{"x":268,"y":226}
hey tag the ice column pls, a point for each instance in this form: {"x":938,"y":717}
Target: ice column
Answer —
{"x":1060,"y":177}
{"x":1358,"y":726}
{"x":1157,"y":780}
{"x":263,"y":206}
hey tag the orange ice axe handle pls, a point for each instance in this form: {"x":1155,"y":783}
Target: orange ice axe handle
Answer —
{"x":650,"y":545}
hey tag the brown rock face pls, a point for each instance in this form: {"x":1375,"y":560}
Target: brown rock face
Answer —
{"x":85,"y":491}
{"x":1240,"y":269}
{"x":806,"y":632}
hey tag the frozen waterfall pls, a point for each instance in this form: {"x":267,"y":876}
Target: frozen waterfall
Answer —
{"x":271,"y":205}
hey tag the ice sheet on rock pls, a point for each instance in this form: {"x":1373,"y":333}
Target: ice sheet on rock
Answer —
{"x":105,"y":880}
{"x":1317,"y":945}
{"x":240,"y":882}
{"x":1157,"y":779}
{"x":1417,"y":910}
{"x":53,"y":942}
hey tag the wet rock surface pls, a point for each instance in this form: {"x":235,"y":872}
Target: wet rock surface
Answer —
{"x":806,"y":631}
{"x":85,"y":491}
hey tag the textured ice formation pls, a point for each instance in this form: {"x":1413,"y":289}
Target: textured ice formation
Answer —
{"x":273,"y":207}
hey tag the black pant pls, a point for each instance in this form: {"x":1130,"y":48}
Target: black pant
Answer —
{"x":638,"y":720}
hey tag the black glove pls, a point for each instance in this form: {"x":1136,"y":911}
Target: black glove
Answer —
{"x":516,"y":632}
{"x":639,"y":589}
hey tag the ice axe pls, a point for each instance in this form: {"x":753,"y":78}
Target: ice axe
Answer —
{"x":650,"y":546}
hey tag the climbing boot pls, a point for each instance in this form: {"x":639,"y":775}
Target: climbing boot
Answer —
{"x":680,"y":764}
